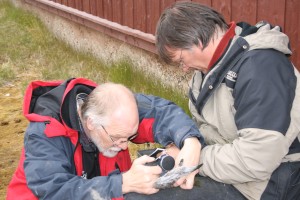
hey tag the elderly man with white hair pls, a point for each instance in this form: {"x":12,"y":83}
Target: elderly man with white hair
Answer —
{"x":76,"y":145}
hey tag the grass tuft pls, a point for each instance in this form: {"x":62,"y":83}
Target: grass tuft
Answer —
{"x":6,"y":73}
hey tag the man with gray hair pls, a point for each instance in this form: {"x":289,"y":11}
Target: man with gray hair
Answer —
{"x":244,"y":96}
{"x":76,"y":145}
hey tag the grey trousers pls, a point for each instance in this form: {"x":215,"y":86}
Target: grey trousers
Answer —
{"x":284,"y":184}
{"x":205,"y":188}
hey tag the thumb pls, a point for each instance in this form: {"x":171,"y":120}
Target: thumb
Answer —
{"x":188,"y":183}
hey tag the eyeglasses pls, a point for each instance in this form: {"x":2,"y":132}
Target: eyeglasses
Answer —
{"x":115,"y":142}
{"x":181,"y":63}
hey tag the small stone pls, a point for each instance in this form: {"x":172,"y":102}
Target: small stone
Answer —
{"x":4,"y":123}
{"x":20,"y":132}
{"x":17,"y":120}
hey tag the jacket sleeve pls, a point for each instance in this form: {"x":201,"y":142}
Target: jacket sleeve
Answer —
{"x":50,"y":171}
{"x":263,"y":99}
{"x":164,"y":122}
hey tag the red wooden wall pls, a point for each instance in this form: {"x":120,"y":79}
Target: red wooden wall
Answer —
{"x":143,"y":14}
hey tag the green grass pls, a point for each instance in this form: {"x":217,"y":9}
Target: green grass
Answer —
{"x":124,"y":73}
{"x":30,"y":49}
{"x":6,"y":73}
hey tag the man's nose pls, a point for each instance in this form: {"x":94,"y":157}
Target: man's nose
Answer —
{"x":123,"y":146}
{"x":185,"y":68}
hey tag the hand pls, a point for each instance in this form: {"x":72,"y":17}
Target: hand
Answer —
{"x":172,"y":150}
{"x":141,"y":178}
{"x":190,"y":153}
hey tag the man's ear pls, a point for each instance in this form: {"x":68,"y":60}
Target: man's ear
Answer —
{"x":200,"y":45}
{"x":89,"y":124}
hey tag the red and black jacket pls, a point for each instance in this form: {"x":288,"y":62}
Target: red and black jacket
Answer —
{"x":53,"y":160}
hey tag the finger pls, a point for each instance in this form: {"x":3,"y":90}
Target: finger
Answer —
{"x":189,"y":181}
{"x":156,"y":170}
{"x":143,"y":160}
{"x":180,"y":181}
{"x":151,"y":191}
{"x":148,"y":188}
{"x":175,"y":184}
{"x":188,"y":184}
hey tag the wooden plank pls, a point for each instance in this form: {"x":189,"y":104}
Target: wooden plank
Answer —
{"x":100,"y":12}
{"x":289,"y":17}
{"x":78,"y":4}
{"x":128,"y":13}
{"x":292,"y":28}
{"x":117,"y":11}
{"x":71,"y":3}
{"x":272,"y":12}
{"x":93,"y":7}
{"x":182,"y":0}
{"x":107,"y":9}
{"x":153,"y":13}
{"x":64,"y":2}
{"x":205,"y":2}
{"x":165,"y":3}
{"x":140,"y":15}
{"x":244,"y":10}
{"x":224,"y":7}
{"x":86,"y":6}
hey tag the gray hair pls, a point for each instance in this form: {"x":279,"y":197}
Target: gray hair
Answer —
{"x":183,"y":25}
{"x":103,"y":101}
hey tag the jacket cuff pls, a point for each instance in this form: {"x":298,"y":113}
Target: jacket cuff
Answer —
{"x":116,"y":178}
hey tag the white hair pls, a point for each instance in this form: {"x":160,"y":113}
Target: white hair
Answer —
{"x":103,"y":101}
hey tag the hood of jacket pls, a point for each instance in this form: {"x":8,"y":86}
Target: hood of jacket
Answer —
{"x":265,"y":36}
{"x":55,"y":103}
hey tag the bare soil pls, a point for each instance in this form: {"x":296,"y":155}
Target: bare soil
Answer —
{"x":12,"y":128}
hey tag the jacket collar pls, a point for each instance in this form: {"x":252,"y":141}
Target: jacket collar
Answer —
{"x":222,"y":45}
